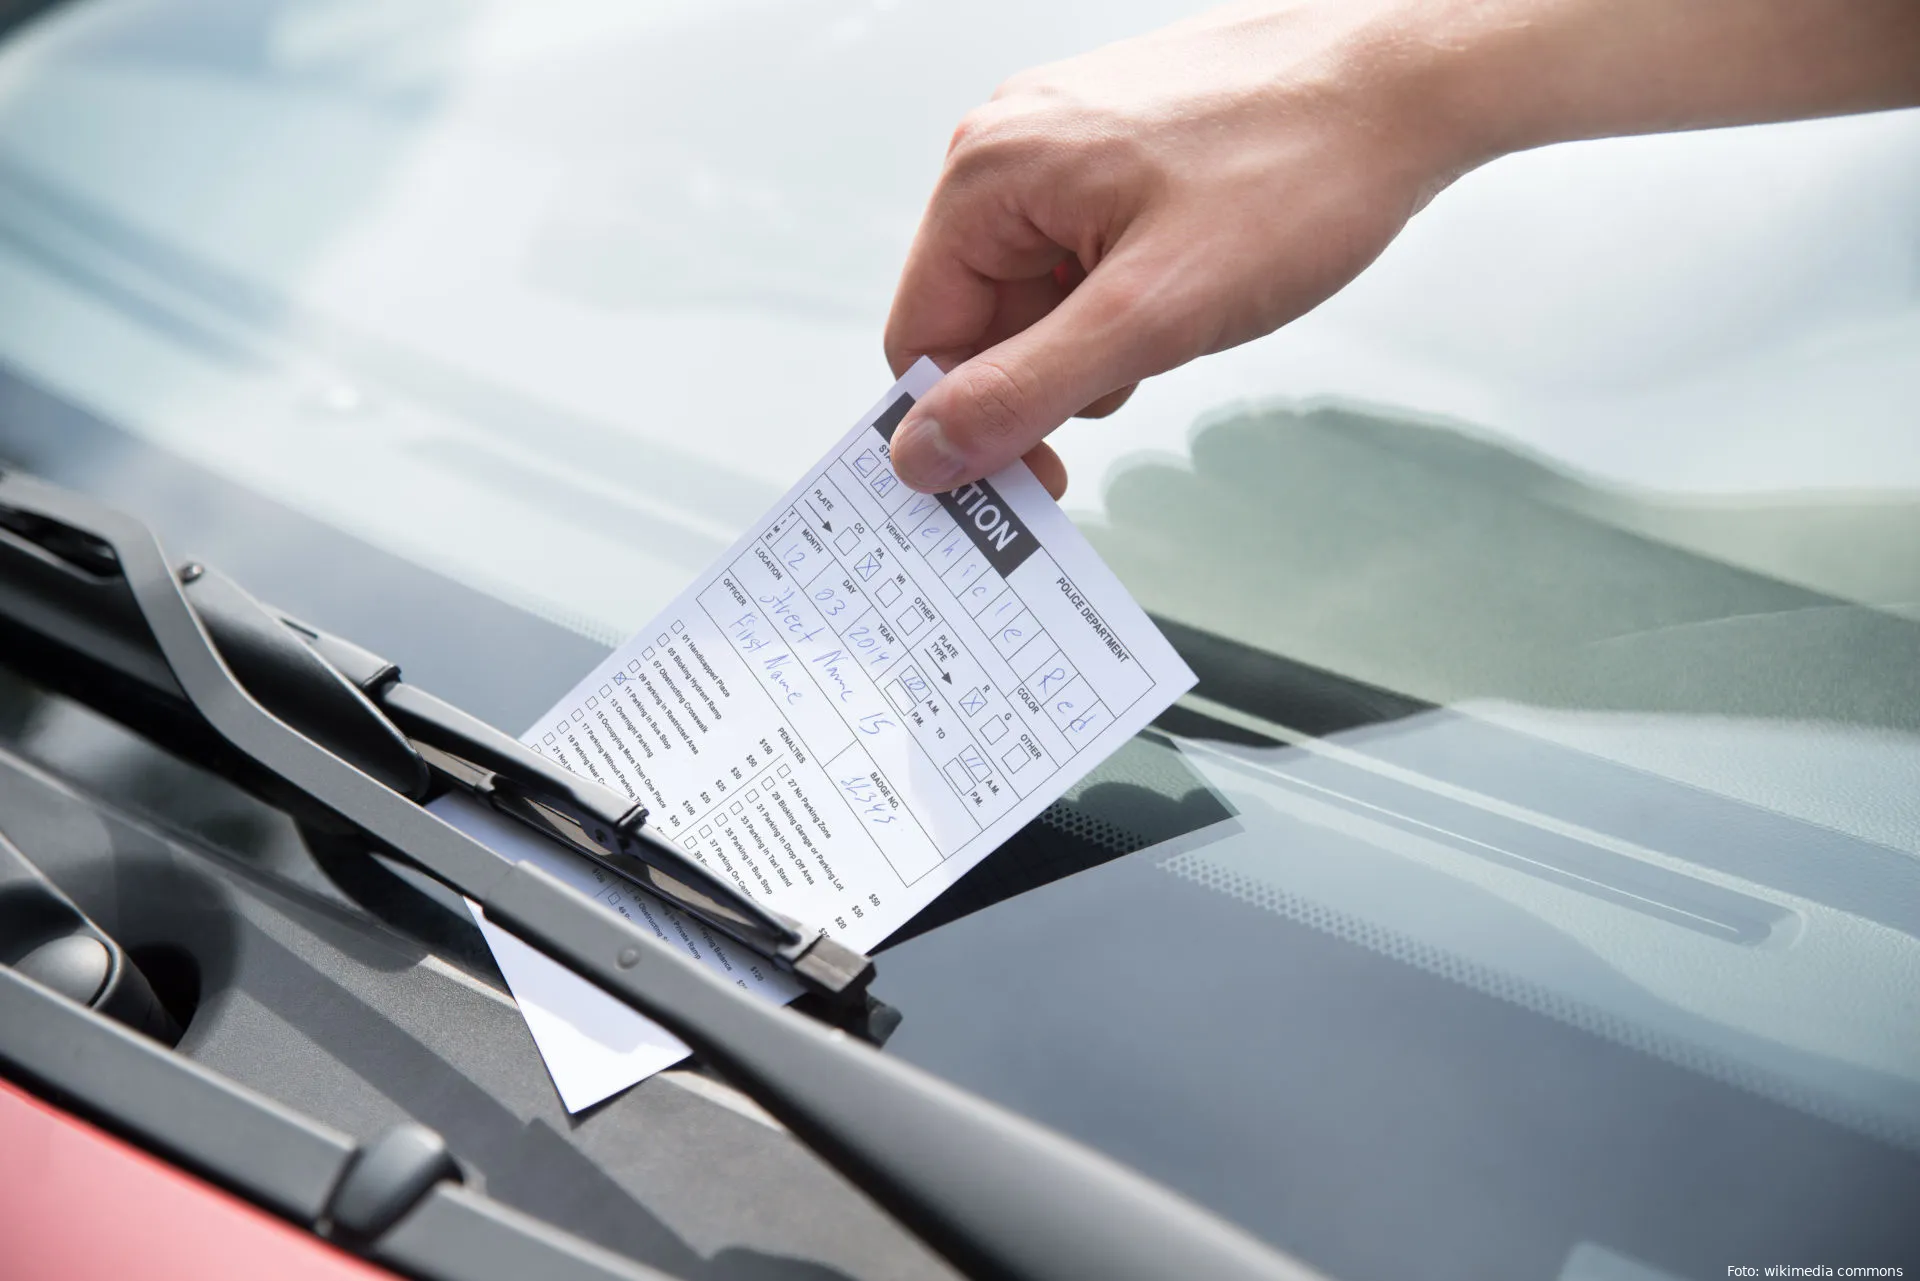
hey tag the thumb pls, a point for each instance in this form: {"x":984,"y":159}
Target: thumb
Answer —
{"x":995,"y":407}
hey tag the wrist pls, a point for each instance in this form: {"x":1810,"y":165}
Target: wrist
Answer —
{"x":1437,"y":86}
{"x":1492,"y":77}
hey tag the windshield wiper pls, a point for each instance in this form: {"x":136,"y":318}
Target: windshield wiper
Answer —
{"x":413,"y":737}
{"x":354,"y":704}
{"x":996,"y":1194}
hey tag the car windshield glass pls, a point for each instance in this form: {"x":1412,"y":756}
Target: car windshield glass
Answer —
{"x":1593,"y":507}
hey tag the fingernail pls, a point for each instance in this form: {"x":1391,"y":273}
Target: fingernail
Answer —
{"x":931,"y":463}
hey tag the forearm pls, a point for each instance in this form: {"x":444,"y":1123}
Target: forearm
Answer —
{"x":1505,"y":75}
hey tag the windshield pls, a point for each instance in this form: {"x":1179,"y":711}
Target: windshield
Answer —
{"x":1592,"y":510}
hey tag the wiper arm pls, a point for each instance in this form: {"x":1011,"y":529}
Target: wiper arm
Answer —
{"x":464,"y":752}
{"x":997,"y":1195}
{"x":355,"y":704}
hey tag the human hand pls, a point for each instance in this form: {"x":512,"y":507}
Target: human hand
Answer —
{"x":1113,"y":216}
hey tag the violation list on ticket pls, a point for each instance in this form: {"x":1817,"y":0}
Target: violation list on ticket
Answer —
{"x":862,"y":698}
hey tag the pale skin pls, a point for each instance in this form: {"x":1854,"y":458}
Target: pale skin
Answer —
{"x":1110,"y":217}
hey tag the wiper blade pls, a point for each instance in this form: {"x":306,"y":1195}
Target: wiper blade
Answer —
{"x":354,"y":704}
{"x":996,"y":1194}
{"x":399,"y":725}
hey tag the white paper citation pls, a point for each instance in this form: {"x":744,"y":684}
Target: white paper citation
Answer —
{"x":861,"y":699}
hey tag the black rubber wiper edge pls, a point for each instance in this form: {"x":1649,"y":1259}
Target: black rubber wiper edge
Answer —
{"x":998,"y":1195}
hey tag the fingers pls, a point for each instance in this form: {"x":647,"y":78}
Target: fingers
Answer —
{"x":1047,"y":469}
{"x":995,"y":407}
{"x":940,"y":310}
{"x":1109,"y":402}
{"x":1013,"y":314}
{"x":977,"y":272}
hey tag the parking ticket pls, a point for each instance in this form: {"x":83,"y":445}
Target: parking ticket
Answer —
{"x":863,"y":697}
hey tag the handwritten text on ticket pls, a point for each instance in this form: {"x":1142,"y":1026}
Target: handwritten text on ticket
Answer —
{"x":866,"y":695}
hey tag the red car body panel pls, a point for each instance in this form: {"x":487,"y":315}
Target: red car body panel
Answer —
{"x":77,"y":1204}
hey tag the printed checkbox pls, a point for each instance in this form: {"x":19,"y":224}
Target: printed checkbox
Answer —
{"x":951,"y":549}
{"x":1037,"y":655}
{"x":1010,"y":635}
{"x":767,"y":782}
{"x":898,"y":696}
{"x":592,"y":702}
{"x":661,"y":640}
{"x":910,"y":621}
{"x":706,"y":831}
{"x":975,"y":764}
{"x":783,"y":771}
{"x":679,"y":627}
{"x":1004,"y":609}
{"x":1051,"y":677}
{"x":888,"y":592}
{"x":962,"y":573}
{"x":647,"y":652}
{"x":579,"y":715}
{"x":561,"y":728}
{"x":606,"y":691}
{"x":1068,"y":703}
{"x":848,"y":540}
{"x":957,"y":775}
{"x":549,"y":738}
{"x":1015,"y":760}
{"x":981,"y":593}
{"x":691,"y":843}
{"x":634,"y":666}
{"x":994,"y":730}
{"x":983,"y":599}
{"x":752,"y":797}
{"x":1088,"y":723}
{"x":973,"y":702}
{"x":737,"y":808}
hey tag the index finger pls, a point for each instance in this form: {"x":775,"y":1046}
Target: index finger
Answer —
{"x":970,"y":241}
